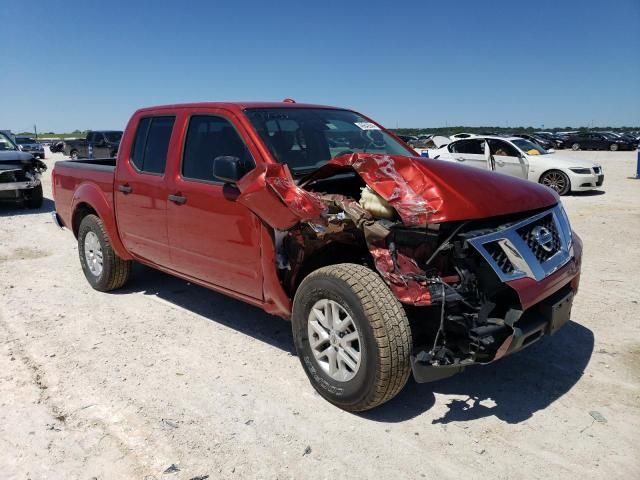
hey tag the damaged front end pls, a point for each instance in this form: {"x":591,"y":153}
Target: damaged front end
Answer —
{"x":484,"y":264}
{"x":19,"y":172}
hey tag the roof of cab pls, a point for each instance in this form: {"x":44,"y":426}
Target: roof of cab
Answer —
{"x":236,"y":105}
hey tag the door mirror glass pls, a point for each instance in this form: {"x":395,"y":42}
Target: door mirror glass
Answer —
{"x":227,"y":168}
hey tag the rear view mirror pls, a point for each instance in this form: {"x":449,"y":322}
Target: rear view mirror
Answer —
{"x":227,"y":168}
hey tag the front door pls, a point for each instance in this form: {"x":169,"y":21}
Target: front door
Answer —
{"x":213,"y":238}
{"x":140,"y":190}
{"x":507,"y":159}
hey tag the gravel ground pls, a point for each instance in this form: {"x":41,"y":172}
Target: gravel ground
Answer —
{"x":124,"y":385}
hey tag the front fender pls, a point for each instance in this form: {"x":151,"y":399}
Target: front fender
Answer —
{"x":90,"y":194}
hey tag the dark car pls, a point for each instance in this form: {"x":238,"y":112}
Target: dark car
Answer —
{"x":558,"y":140}
{"x":539,"y":139}
{"x":598,"y":141}
{"x":56,"y":146}
{"x":408,"y":139}
{"x":29,"y":145}
{"x":97,"y":144}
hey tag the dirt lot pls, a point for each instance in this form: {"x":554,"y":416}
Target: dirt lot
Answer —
{"x":124,"y":385}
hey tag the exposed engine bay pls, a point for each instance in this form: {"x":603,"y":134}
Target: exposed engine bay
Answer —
{"x":449,"y":272}
{"x":19,"y":174}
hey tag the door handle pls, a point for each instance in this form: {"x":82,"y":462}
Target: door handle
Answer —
{"x":500,"y":162}
{"x":177,"y":199}
{"x":125,"y":188}
{"x":460,"y":159}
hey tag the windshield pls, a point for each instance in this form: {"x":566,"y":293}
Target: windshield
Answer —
{"x":306,"y":138}
{"x":528,"y":147}
{"x":24,"y":140}
{"x":610,"y":136}
{"x":6,"y":143}
{"x":113,"y":137}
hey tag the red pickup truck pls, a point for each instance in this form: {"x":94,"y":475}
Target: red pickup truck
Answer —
{"x":386,"y":263}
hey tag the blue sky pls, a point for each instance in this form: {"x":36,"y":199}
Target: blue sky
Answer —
{"x":90,"y":64}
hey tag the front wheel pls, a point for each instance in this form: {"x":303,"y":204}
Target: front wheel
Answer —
{"x":103,"y":269}
{"x":613,"y":147}
{"x":557,"y":180}
{"x":352,"y":336}
{"x":575,"y":147}
{"x":74,"y":155}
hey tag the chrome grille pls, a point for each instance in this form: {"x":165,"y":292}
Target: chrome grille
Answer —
{"x":527,"y":233}
{"x":498,"y":255}
{"x":534,"y":248}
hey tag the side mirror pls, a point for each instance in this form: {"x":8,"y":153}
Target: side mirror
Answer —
{"x":227,"y":168}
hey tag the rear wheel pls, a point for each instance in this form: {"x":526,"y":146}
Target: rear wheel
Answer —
{"x":575,"y":146}
{"x":74,"y":155}
{"x":613,"y":147}
{"x":103,"y":269}
{"x":352,"y":336}
{"x":557,"y":180}
{"x":33,"y":197}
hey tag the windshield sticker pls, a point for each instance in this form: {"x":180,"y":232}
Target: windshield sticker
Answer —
{"x":367,"y":126}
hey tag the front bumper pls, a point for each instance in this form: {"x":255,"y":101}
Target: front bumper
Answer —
{"x":543,"y":319}
{"x":545,"y":307}
{"x":582,"y":183}
{"x":9,"y":186}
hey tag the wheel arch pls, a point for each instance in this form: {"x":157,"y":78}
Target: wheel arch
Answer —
{"x":547,"y":170}
{"x":89,"y":199}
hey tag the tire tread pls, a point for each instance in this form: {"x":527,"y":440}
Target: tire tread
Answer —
{"x":390,"y":328}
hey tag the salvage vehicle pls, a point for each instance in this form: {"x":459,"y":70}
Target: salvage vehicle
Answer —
{"x":386,"y":263}
{"x":56,"y":146}
{"x":97,"y":144}
{"x":521,"y":158}
{"x":20,"y":174}
{"x":31,"y":146}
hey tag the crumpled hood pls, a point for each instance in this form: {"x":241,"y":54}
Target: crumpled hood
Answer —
{"x":421,"y":190}
{"x":424,"y":190}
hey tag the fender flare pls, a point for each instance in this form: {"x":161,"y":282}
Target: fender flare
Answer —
{"x":94,"y":197}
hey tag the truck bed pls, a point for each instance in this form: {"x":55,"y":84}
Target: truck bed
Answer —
{"x":70,"y":175}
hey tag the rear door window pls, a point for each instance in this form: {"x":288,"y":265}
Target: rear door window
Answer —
{"x":474,"y":147}
{"x":150,"y":146}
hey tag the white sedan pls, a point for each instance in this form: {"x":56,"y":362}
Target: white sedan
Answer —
{"x":524,"y":159}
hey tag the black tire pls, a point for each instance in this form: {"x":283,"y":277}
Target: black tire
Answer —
{"x":556,"y":180}
{"x":613,"y":147}
{"x":73,"y":154}
{"x":115,"y":271}
{"x":33,"y":197}
{"x":382,"y":323}
{"x":575,"y":146}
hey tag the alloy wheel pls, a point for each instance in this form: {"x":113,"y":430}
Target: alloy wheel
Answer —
{"x":334,"y":340}
{"x":93,"y":253}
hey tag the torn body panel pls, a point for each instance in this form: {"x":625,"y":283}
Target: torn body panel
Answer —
{"x":424,"y":238}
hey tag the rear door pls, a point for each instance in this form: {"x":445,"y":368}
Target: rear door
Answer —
{"x":507,"y":159}
{"x":140,"y":190}
{"x":213,"y":238}
{"x":471,"y":152}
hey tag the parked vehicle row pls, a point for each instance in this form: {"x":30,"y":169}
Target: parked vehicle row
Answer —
{"x":320,"y":215}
